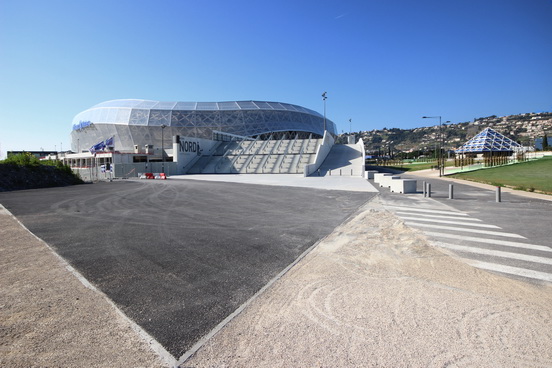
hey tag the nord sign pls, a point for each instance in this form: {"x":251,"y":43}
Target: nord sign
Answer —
{"x":187,"y":146}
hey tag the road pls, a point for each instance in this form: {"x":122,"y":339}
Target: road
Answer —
{"x":179,"y":256}
{"x":513,"y":237}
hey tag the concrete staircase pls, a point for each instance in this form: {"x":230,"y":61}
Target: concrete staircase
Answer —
{"x":282,"y":156}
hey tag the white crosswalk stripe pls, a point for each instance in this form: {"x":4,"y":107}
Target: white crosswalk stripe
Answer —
{"x":537,"y":275}
{"x":426,"y":210}
{"x":439,"y":216}
{"x":505,"y":243}
{"x":448,"y":222}
{"x":496,"y":253}
{"x":463,"y":229}
{"x":486,"y":249}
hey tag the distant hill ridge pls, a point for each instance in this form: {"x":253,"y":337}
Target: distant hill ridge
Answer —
{"x":523,"y":128}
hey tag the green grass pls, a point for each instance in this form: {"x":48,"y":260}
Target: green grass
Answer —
{"x":416,"y":166}
{"x":530,"y":176}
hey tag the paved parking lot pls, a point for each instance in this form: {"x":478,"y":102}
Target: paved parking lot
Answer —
{"x":179,"y":256}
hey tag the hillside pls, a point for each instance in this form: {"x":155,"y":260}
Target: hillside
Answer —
{"x":523,"y":128}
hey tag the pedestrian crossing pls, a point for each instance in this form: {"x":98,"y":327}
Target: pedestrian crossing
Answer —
{"x":485,"y":246}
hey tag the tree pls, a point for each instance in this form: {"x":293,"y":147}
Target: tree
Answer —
{"x":545,"y":145}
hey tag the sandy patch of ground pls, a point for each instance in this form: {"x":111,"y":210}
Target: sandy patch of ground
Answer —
{"x":48,"y":318}
{"x":375,"y":293}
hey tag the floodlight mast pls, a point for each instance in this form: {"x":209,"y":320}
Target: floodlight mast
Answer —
{"x":324,"y":97}
{"x":440,"y":158}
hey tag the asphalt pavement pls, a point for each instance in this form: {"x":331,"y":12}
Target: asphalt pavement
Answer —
{"x":513,"y":236}
{"x":179,"y":256}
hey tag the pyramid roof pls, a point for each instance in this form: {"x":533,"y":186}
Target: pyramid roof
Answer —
{"x":489,"y":140}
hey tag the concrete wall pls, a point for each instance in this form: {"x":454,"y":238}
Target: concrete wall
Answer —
{"x":321,"y":153}
{"x":360,"y":145}
{"x":188,"y":150}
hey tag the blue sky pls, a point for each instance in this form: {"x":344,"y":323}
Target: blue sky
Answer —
{"x":382,"y":63}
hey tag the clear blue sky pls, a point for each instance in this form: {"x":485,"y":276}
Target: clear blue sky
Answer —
{"x":383,"y":63}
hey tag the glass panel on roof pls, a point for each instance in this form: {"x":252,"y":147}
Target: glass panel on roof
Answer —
{"x":185,"y":106}
{"x":139,"y":117}
{"x":288,"y":107}
{"x":276,"y":106}
{"x":163,"y":105}
{"x":262,"y":105}
{"x":159,"y":117}
{"x":207,"y":106}
{"x":228,"y":105}
{"x":145,"y":104}
{"x":123,"y":115}
{"x":248,"y":105}
{"x":111,"y":115}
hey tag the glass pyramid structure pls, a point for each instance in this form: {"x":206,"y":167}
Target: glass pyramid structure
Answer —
{"x":489,"y":140}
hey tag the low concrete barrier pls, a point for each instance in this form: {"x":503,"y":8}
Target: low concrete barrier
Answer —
{"x":369,"y":174}
{"x":403,"y":186}
{"x":378,"y":177}
{"x":386,"y":181}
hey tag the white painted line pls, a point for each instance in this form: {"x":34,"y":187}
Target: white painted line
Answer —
{"x":448,"y":222}
{"x":462,"y":229}
{"x":505,"y":243}
{"x":426,"y":210}
{"x":495,"y":253}
{"x":543,"y":276}
{"x":439,"y":216}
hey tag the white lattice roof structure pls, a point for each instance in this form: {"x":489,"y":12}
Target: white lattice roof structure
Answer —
{"x":489,"y":140}
{"x":140,"y":122}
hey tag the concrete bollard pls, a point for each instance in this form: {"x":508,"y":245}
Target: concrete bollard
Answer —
{"x":451,"y":191}
{"x":428,"y":190}
{"x":424,"y":188}
{"x":498,"y":195}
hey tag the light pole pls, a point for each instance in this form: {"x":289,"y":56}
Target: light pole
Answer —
{"x":446,"y":155}
{"x":162,"y":148}
{"x":324,"y":97}
{"x":440,"y":141}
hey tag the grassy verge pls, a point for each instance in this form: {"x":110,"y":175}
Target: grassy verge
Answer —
{"x":530,"y":176}
{"x":25,"y":171}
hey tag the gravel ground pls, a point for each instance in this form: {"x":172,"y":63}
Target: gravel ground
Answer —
{"x":375,"y":294}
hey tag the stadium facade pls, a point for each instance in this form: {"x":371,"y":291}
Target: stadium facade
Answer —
{"x":131,"y":123}
{"x":129,"y":137}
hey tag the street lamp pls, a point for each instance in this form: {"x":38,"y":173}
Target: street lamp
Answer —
{"x":324,"y":97}
{"x":440,"y":142}
{"x":162,"y":149}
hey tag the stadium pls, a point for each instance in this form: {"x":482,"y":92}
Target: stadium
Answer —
{"x":130,"y":137}
{"x":139,"y":122}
